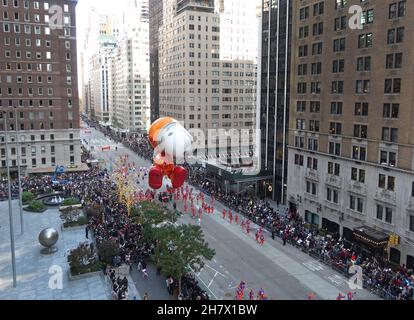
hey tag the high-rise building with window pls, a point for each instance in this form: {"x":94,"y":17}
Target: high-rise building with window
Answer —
{"x":39,"y":101}
{"x":129,"y":72}
{"x":100,"y":79}
{"x":276,"y":33}
{"x":351,"y":141}
{"x":203,"y":82}
{"x":155,"y":23}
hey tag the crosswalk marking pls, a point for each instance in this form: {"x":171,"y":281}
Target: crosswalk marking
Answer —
{"x":313,"y":265}
{"x":336,"y":279}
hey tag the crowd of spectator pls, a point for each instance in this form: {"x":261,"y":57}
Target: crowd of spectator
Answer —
{"x":119,"y":286}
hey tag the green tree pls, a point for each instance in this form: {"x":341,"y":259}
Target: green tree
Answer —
{"x":150,"y":215}
{"x":181,"y":249}
{"x":27,"y":197}
{"x":107,"y":250}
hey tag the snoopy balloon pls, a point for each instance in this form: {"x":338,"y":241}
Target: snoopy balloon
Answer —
{"x":170,"y":141}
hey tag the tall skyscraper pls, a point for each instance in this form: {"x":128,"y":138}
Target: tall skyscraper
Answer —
{"x":100,"y":34}
{"x":99,"y":78}
{"x":155,"y":23}
{"x":201,"y":85}
{"x":276,"y":36}
{"x":351,"y":141}
{"x":39,"y":84}
{"x":130,"y":72}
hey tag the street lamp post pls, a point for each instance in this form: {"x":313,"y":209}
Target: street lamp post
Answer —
{"x":13,"y":256}
{"x":19,"y":175}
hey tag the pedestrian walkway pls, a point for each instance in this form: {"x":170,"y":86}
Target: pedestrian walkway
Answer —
{"x":279,"y":208}
{"x":155,"y":285}
{"x":35,"y":270}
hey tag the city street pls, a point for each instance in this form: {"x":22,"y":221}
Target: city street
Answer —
{"x":283,"y":272}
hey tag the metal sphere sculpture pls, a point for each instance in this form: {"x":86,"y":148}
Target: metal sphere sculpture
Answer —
{"x":48,"y":238}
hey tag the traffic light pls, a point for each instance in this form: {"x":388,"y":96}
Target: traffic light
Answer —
{"x":391,"y":240}
{"x":394,"y":240}
{"x":397,"y":240}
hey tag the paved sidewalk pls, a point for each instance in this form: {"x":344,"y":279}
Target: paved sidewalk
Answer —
{"x":33,"y":268}
{"x":155,"y":285}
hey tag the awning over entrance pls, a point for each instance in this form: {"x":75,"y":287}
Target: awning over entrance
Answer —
{"x":371,"y":237}
{"x":82,"y":167}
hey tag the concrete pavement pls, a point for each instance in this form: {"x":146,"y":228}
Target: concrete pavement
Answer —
{"x":34,"y":270}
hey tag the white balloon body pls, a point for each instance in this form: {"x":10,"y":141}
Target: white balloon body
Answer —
{"x":175,"y":141}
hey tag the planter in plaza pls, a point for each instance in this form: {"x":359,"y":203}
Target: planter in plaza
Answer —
{"x":35,"y":206}
{"x":70,"y":207}
{"x":72,"y":227}
{"x":83,"y":262}
{"x":27,"y":197}
{"x":70,"y":202}
{"x":73,"y":218}
{"x":83,"y":275}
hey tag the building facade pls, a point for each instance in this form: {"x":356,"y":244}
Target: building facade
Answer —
{"x":155,"y":23}
{"x":351,"y":142}
{"x":101,"y":30}
{"x":39,"y":101}
{"x":197,"y":86}
{"x":100,"y":80}
{"x":276,"y":34}
{"x":129,"y":75}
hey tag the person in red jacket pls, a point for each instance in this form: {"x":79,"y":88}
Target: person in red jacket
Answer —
{"x":224,"y":214}
{"x":243,"y":224}
{"x":351,"y":295}
{"x":340,"y":296}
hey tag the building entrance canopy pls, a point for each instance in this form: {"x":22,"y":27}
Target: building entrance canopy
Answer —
{"x":371,"y":237}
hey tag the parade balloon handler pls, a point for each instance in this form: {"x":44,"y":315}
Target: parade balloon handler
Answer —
{"x":170,"y":141}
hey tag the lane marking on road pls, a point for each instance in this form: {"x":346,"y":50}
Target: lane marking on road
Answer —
{"x":313,"y":265}
{"x":201,"y":280}
{"x":215,"y":270}
{"x":198,"y":274}
{"x":336,"y":279}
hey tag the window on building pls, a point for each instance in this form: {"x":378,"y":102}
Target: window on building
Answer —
{"x":356,"y":204}
{"x":358,"y":175}
{"x":334,"y":168}
{"x":361,"y":109}
{"x":332,"y":195}
{"x":359,"y":153}
{"x":391,"y":110}
{"x":365,"y":40}
{"x":388,"y":158}
{"x":386,"y":182}
{"x":384,"y":213}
